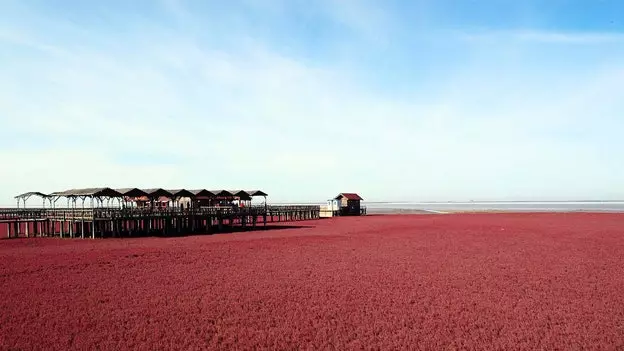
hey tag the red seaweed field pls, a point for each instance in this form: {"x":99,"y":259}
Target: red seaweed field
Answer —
{"x":436,"y":282}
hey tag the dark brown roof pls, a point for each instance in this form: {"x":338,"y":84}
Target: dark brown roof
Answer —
{"x":157,"y":192}
{"x":132,"y":192}
{"x":349,"y":196}
{"x":202,"y":193}
{"x":222,"y":193}
{"x":257,"y":193}
{"x":181,"y":193}
{"x":151,"y":193}
{"x":29,"y":194}
{"x":242,"y":194}
{"x":95,"y":192}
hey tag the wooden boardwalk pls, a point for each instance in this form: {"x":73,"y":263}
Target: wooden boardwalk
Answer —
{"x":121,"y":222}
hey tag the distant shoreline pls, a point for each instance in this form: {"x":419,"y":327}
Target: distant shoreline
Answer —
{"x":492,"y":202}
{"x":408,"y":207}
{"x":399,"y":211}
{"x":405,"y":207}
{"x":365,"y":203}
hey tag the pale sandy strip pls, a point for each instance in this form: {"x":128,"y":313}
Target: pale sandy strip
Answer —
{"x":434,"y":211}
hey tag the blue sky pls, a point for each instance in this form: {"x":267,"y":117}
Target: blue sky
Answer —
{"x":397,"y":100}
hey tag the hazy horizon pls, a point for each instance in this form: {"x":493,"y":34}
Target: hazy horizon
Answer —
{"x":401,"y":100}
{"x":36,"y":202}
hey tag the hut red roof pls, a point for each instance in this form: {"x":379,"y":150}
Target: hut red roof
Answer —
{"x":349,"y":196}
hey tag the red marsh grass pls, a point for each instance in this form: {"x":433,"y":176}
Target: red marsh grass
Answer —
{"x":460,"y":281}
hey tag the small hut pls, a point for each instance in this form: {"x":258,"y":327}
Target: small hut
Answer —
{"x":349,"y":204}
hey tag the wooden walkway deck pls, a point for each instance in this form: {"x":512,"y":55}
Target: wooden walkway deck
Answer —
{"x":119,"y":222}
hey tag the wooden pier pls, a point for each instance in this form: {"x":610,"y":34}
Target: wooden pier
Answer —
{"x":124,"y":222}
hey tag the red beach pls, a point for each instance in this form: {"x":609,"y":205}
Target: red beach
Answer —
{"x":457,"y":281}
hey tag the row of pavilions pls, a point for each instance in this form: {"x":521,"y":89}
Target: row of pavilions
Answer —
{"x":105,"y":212}
{"x":155,"y":198}
{"x":108,"y":212}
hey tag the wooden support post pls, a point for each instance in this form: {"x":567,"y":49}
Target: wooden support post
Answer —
{"x":92,"y":218}
{"x":82,"y":222}
{"x":8,"y":230}
{"x":26,"y":225}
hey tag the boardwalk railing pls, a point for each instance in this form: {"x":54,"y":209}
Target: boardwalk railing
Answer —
{"x":119,"y":221}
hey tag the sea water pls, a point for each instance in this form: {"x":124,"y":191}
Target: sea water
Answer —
{"x":512,"y":206}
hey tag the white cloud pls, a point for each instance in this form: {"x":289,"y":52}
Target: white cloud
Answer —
{"x":248,"y":116}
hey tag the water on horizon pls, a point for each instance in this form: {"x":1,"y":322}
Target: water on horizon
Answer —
{"x":512,"y":206}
